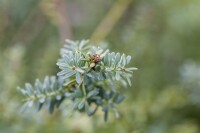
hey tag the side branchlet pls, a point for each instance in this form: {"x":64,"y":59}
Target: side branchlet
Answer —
{"x":89,"y":77}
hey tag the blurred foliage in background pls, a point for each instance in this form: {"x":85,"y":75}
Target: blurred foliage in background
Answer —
{"x":162,"y":36}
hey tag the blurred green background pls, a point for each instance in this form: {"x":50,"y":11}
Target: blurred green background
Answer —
{"x":162,"y":36}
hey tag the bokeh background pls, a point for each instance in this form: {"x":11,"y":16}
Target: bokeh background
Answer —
{"x":162,"y":36}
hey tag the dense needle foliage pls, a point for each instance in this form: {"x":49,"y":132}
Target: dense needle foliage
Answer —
{"x":90,"y":78}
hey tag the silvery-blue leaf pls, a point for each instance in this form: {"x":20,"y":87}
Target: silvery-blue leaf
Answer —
{"x":46,"y":83}
{"x":78,"y":93}
{"x":92,"y":65}
{"x":65,"y":61}
{"x":117,"y":76}
{"x":67,"y":94}
{"x":78,"y":78}
{"x":93,"y":93}
{"x":129,"y":81}
{"x":102,"y":55}
{"x":50,"y":105}
{"x":75,"y":58}
{"x":117,"y":59}
{"x":101,"y":76}
{"x":38,"y":86}
{"x":93,"y":50}
{"x":63,"y":72}
{"x":76,"y":103}
{"x":105,"y":59}
{"x":55,"y":86}
{"x":128,"y":59}
{"x":58,"y":103}
{"x":53,"y":79}
{"x":87,"y":108}
{"x":86,"y":80}
{"x":131,"y":68}
{"x":61,"y":64}
{"x":69,"y":75}
{"x":38,"y":106}
{"x":90,"y":75}
{"x":80,"y":70}
{"x":42,"y":100}
{"x":110,"y":94}
{"x":109,"y":59}
{"x":70,"y":42}
{"x":123,"y":60}
{"x":58,"y":97}
{"x":108,"y":69}
{"x":83,"y":43}
{"x":105,"y":110}
{"x":97,"y":68}
{"x":21,"y":91}
{"x":30,"y":103}
{"x":119,"y":99}
{"x":112,"y":56}
{"x":117,"y":115}
{"x":29,"y":89}
{"x":81,"y":105}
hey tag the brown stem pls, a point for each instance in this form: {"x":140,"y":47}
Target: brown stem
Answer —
{"x":62,"y":19}
{"x":109,"y":21}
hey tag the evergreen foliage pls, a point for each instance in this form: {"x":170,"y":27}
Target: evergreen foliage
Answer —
{"x":90,"y":78}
